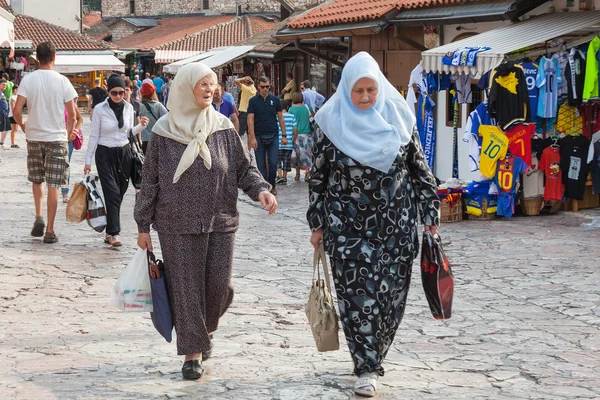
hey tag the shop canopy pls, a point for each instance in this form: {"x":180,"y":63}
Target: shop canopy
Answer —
{"x":77,"y":63}
{"x":518,"y":38}
{"x":213,"y":58}
{"x":169,"y":56}
{"x":7,"y":29}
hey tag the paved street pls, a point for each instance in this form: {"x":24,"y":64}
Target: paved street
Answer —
{"x":525,"y":322}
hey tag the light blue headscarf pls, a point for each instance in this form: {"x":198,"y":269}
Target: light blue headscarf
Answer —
{"x":371,"y":137}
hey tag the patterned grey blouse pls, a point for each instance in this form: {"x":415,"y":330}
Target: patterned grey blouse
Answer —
{"x":203,"y":200}
{"x":369,"y":215}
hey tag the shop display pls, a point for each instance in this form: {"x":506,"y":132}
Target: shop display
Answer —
{"x":573,"y":163}
{"x":509,"y":97}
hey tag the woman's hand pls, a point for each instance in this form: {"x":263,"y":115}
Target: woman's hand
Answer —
{"x":144,"y":121}
{"x":87,"y":169}
{"x":144,"y":242}
{"x":268,"y":201}
{"x":431,"y":228}
{"x":73,"y":135}
{"x":316,"y":238}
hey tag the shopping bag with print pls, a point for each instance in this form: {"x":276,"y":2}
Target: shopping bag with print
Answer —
{"x":78,"y":204}
{"x":320,"y":309}
{"x":96,"y":213}
{"x":162,"y":319}
{"x":436,"y":275}
{"x":132,"y":291}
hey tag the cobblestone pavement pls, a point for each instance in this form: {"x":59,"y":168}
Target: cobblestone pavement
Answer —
{"x":524,"y":326}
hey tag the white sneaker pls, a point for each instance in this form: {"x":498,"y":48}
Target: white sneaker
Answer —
{"x":366,"y":384}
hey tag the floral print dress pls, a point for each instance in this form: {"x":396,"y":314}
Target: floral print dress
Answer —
{"x":369,"y":220}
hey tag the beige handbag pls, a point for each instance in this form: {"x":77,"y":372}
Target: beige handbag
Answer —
{"x":77,"y":206}
{"x":320,"y":309}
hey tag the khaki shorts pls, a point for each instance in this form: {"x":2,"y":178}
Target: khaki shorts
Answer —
{"x":48,"y":162}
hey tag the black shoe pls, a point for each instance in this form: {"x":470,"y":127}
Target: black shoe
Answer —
{"x":192,"y":369}
{"x":38,"y":228}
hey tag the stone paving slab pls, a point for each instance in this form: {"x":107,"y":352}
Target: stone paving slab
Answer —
{"x":525,"y":322}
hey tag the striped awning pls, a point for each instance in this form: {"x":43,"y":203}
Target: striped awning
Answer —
{"x":169,"y":56}
{"x":515,"y":38}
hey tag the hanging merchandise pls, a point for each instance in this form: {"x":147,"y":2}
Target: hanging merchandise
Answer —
{"x":575,"y":76}
{"x":455,"y":118}
{"x":569,"y":120}
{"x":548,"y":81}
{"x":479,"y":117}
{"x":462,"y":84}
{"x":530,"y":68}
{"x":590,"y":87}
{"x":590,"y":113}
{"x":426,"y":127}
{"x":494,"y":146}
{"x":478,"y":193}
{"x":594,"y":162}
{"x":509,"y":98}
{"x":506,"y":179}
{"x":550,"y":165}
{"x":573,"y":157}
{"x":562,"y":57}
{"x":418,"y":77}
{"x":533,"y":180}
{"x":519,"y":141}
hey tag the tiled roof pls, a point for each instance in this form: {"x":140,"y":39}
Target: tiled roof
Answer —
{"x":170,"y":29}
{"x":91,"y":19}
{"x":29,"y":28}
{"x":4,"y":5}
{"x":353,"y":11}
{"x":262,"y":42}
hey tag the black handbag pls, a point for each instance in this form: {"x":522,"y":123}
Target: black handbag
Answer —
{"x":137,"y":160}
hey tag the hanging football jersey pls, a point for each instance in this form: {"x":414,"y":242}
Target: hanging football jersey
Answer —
{"x":550,"y":164}
{"x":494,"y":146}
{"x":531,"y":69}
{"x":575,"y":76}
{"x":509,"y":98}
{"x":563,"y":60}
{"x":506,"y":179}
{"x":480,"y":116}
{"x":533,"y":180}
{"x":590,"y":112}
{"x":548,"y":81}
{"x":519,"y":141}
{"x":590,"y":87}
{"x":462,"y":83}
{"x":573,"y":163}
{"x":569,"y":120}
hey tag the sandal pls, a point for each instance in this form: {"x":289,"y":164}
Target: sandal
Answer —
{"x":50,"y":237}
{"x":366,"y":385}
{"x":297,"y":178}
{"x":306,"y":176}
{"x":65,"y":199}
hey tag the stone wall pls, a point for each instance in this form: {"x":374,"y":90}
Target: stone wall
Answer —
{"x":122,"y":29}
{"x":120,"y":8}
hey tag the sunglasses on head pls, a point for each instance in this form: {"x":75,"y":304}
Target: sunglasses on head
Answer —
{"x":117,"y":93}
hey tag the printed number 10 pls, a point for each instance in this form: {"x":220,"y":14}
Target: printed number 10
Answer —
{"x":492,"y":150}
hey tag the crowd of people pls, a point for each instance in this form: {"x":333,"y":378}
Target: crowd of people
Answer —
{"x":363,"y":161}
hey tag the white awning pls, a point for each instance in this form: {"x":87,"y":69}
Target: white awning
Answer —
{"x":227,"y":55}
{"x":173,"y":68}
{"x":75,"y":63}
{"x":513,"y":38}
{"x":169,"y":56}
{"x":7,"y":29}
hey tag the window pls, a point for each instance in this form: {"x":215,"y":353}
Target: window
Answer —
{"x":131,"y":6}
{"x":205,"y":4}
{"x":477,"y":97}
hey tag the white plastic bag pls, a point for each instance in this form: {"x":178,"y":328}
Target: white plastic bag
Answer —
{"x":132,"y":291}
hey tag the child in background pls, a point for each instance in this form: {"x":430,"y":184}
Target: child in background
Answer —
{"x":284,"y":163}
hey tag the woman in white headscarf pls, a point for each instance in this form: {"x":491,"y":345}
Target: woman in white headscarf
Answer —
{"x":195,"y":163}
{"x":368,"y":184}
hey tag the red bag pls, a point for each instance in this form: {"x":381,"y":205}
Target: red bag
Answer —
{"x":436,"y":276}
{"x":78,"y":141}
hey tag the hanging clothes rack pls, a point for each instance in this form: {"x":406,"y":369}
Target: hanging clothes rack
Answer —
{"x":535,"y":53}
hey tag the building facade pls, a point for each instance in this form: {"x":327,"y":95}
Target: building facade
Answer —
{"x":128,"y":8}
{"x":68,"y":15}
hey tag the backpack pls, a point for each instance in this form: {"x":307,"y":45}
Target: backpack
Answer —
{"x":96,"y":213}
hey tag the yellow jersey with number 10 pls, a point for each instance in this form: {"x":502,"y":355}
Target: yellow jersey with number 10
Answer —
{"x":493,"y":148}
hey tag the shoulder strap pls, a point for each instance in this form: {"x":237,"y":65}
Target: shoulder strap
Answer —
{"x":150,"y":110}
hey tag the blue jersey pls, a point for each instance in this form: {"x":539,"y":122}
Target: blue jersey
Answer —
{"x":548,"y":81}
{"x":531,"y":70}
{"x":480,"y":116}
{"x":290,"y":124}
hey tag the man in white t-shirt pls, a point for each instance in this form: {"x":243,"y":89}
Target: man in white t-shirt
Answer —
{"x":46,"y":93}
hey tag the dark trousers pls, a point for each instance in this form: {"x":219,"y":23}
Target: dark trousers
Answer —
{"x":267,"y":155}
{"x":145,"y":147}
{"x":114,"y":169}
{"x":243,"y":123}
{"x":160,"y":97}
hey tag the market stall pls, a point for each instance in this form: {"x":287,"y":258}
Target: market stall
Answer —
{"x":533,"y":136}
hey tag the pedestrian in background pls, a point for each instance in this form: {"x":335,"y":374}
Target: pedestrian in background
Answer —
{"x":226,"y":108}
{"x":152,"y":109}
{"x":290,"y":87}
{"x":96,"y":96}
{"x":9,"y":86}
{"x":167,"y":88}
{"x":158,"y":84}
{"x":109,"y":141}
{"x":72,"y":135}
{"x":4,"y":119}
{"x":148,"y":78}
{"x":247,"y":91}
{"x":196,"y":147}
{"x":264,"y":111}
{"x":312,"y":98}
{"x":284,"y":163}
{"x":369,"y":184}
{"x":304,"y":141}
{"x":46,"y":93}
{"x":13,"y":124}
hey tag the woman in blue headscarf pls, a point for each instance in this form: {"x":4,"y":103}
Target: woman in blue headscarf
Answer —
{"x":369,"y":184}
